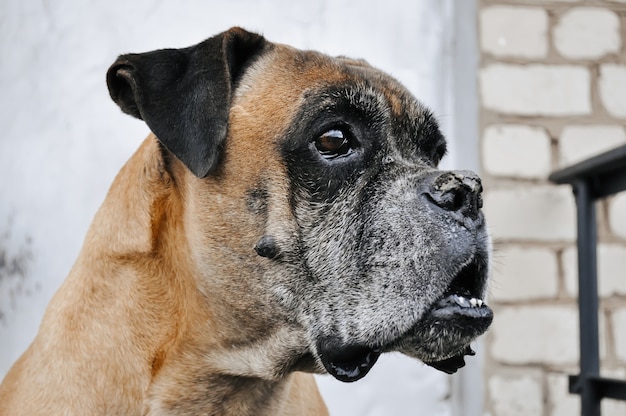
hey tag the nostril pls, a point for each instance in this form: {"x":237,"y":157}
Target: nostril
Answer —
{"x":459,"y":200}
{"x":452,"y":200}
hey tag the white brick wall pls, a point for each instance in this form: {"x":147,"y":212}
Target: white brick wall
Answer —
{"x":516,"y":396}
{"x":617,"y":215}
{"x":535,"y":335}
{"x":564,"y":404}
{"x":581,"y":142}
{"x":560,"y":401}
{"x":587,"y":33}
{"x":523,"y":274}
{"x":613,"y":407}
{"x":517,"y":150}
{"x":540,"y":213}
{"x":514,"y":31}
{"x":531,"y":90}
{"x":611,"y":270}
{"x":550,"y":97}
{"x":613,"y":89}
{"x":619,"y":332}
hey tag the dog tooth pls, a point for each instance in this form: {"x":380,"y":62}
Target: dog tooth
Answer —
{"x":473,"y":302}
{"x":480,"y":302}
{"x":461,"y":301}
{"x":457,"y":300}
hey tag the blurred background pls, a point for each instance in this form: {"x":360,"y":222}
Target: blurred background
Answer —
{"x":521,"y":88}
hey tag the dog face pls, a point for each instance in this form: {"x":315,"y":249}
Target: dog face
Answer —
{"x":323,"y":214}
{"x":389,"y":243}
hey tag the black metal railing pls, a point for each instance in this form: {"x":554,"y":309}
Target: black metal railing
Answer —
{"x":592,"y":179}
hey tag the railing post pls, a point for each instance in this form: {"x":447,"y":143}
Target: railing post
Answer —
{"x":592,"y":179}
{"x":587,"y":297}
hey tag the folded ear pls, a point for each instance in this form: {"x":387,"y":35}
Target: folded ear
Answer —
{"x":184,"y":95}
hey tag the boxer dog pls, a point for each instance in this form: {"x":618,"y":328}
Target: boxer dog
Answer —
{"x":285,"y":217}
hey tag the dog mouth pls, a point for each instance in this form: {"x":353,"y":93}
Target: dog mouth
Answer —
{"x":461,"y":313}
{"x":441,"y":338}
{"x":463,"y":298}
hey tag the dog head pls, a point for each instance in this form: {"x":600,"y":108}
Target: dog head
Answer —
{"x":314,"y":201}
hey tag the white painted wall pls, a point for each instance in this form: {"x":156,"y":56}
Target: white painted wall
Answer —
{"x":62,"y":139}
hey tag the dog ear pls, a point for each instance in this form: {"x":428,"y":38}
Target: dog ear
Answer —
{"x":184,"y":95}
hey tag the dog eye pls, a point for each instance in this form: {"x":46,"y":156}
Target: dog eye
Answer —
{"x":334,"y":143}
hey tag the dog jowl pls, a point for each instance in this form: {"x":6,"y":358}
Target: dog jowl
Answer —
{"x":286,"y":216}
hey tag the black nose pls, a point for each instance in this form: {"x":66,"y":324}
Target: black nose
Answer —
{"x":458,"y":192}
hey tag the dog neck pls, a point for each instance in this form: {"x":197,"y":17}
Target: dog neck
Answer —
{"x":141,"y":324}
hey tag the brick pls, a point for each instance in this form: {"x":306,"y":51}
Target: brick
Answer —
{"x":537,"y":213}
{"x":587,"y":33}
{"x":516,"y":396}
{"x":617,"y":215}
{"x":536,"y":90}
{"x":562,"y":403}
{"x":570,"y":270}
{"x":581,"y":142}
{"x":611,"y":266}
{"x":514,"y":31}
{"x":612,"y":85}
{"x":517,"y":150}
{"x":522,"y":274}
{"x":535,"y":335}
{"x":613,"y":407}
{"x":619,"y":333}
